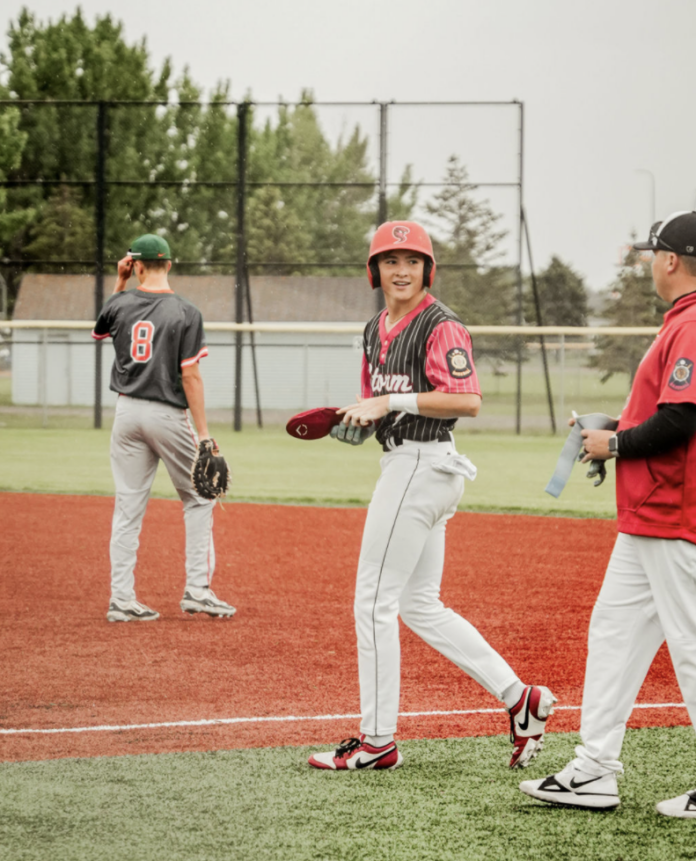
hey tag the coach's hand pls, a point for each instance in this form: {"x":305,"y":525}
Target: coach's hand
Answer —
{"x":596,"y":444}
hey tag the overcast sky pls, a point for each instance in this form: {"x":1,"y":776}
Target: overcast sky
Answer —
{"x":607,"y":85}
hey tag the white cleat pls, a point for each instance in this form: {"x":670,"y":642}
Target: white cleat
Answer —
{"x":575,"y":788}
{"x":130,"y":611}
{"x":205,"y":601}
{"x":683,"y":806}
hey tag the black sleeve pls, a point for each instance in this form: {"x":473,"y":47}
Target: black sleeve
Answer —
{"x":193,"y":342}
{"x":102,"y":328}
{"x":670,"y":426}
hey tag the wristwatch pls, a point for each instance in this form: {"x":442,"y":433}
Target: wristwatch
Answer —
{"x":613,"y":445}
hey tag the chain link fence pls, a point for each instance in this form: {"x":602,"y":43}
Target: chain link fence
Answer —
{"x":299,"y":366}
{"x":260,"y":202}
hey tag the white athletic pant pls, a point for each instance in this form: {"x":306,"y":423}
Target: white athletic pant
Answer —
{"x":399,"y":573}
{"x":648,"y":595}
{"x":143,"y":432}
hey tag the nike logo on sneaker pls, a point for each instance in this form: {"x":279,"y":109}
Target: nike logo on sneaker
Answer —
{"x":365,"y":763}
{"x":575,"y":784}
{"x":525,"y":723}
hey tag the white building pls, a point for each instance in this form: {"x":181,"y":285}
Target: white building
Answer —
{"x":296,"y":371}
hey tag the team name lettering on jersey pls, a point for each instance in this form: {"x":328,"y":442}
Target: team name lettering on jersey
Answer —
{"x":389,"y":382}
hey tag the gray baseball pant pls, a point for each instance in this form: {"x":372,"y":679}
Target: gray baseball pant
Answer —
{"x":143,"y":433}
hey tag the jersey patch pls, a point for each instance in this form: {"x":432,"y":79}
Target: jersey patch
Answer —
{"x":681,"y":375}
{"x":458,"y":363}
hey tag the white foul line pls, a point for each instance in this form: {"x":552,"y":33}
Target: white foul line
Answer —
{"x":288,"y":719}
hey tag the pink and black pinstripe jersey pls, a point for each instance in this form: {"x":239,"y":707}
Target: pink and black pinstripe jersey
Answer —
{"x":429,"y":350}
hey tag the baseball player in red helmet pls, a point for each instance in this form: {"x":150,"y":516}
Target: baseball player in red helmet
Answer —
{"x":649,"y":590}
{"x":418,"y":378}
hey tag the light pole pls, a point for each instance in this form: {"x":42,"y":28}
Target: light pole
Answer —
{"x":653,"y":217}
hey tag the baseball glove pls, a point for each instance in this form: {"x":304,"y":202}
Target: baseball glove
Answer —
{"x":210,"y":474}
{"x":352,"y":434}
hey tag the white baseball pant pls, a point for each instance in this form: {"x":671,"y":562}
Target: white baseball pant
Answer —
{"x":400,"y":572}
{"x":648,"y":596}
{"x":143,"y":433}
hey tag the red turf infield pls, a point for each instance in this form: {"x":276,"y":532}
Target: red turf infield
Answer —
{"x":527,"y":583}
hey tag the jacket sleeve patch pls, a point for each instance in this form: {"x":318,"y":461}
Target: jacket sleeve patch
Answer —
{"x":681,"y":375}
{"x":458,"y":363}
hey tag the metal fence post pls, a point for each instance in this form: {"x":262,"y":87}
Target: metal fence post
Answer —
{"x":562,"y":368}
{"x":520,"y":310}
{"x":43,"y":378}
{"x":100,"y":224}
{"x":382,"y":210}
{"x":242,"y":112}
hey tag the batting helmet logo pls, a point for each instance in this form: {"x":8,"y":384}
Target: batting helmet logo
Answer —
{"x":409,"y":236}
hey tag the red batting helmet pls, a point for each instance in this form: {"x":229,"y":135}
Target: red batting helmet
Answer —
{"x":406,"y":235}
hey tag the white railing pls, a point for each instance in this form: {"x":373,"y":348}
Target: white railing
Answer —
{"x":300,"y":365}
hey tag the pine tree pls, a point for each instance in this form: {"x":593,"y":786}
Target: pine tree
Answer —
{"x":466,"y":238}
{"x":562,"y":296}
{"x":632,"y":302}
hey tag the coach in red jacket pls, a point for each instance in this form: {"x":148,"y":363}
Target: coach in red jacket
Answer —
{"x":649,"y":590}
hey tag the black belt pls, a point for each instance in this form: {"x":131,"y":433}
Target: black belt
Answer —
{"x":394,"y":442}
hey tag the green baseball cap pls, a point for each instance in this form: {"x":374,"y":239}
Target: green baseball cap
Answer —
{"x":150,"y":247}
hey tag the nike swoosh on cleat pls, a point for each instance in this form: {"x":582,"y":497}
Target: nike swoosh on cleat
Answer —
{"x":525,"y":724}
{"x":574,"y":784}
{"x":366,"y":763}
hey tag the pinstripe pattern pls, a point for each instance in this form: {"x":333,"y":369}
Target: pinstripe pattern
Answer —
{"x":379,"y":580}
{"x":413,"y":357}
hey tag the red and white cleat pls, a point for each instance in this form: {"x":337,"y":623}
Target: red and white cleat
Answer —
{"x":354,"y":754}
{"x":528,"y":722}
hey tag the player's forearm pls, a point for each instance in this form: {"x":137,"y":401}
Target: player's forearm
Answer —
{"x":195,"y":397}
{"x":445,"y":405}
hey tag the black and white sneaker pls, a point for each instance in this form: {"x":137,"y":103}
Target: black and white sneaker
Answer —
{"x":575,"y":788}
{"x":683,"y":806}
{"x":205,"y":601}
{"x":130,"y":611}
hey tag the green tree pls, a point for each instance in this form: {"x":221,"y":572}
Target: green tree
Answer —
{"x":67,"y":59}
{"x":325,"y":220}
{"x":562,"y":296}
{"x":65,"y":231}
{"x":466,"y":241}
{"x":12,"y":143}
{"x":632,"y":302}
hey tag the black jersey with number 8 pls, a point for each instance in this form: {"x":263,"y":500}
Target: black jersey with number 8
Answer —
{"x":155,"y":335}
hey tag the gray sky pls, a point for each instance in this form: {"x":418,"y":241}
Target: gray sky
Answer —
{"x":607,"y":87}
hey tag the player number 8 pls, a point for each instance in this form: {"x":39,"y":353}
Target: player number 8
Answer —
{"x":141,"y":341}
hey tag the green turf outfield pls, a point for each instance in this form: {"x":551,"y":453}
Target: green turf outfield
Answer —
{"x":453,"y":799}
{"x":270,"y":466}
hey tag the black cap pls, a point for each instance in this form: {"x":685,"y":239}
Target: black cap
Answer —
{"x":676,"y":233}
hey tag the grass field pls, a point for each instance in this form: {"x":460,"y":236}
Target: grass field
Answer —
{"x":454,"y":800}
{"x":269,"y":466}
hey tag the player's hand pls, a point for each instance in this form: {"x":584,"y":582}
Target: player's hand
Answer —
{"x":352,"y":435}
{"x":125,"y":270}
{"x":366,"y":410}
{"x":596,"y":444}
